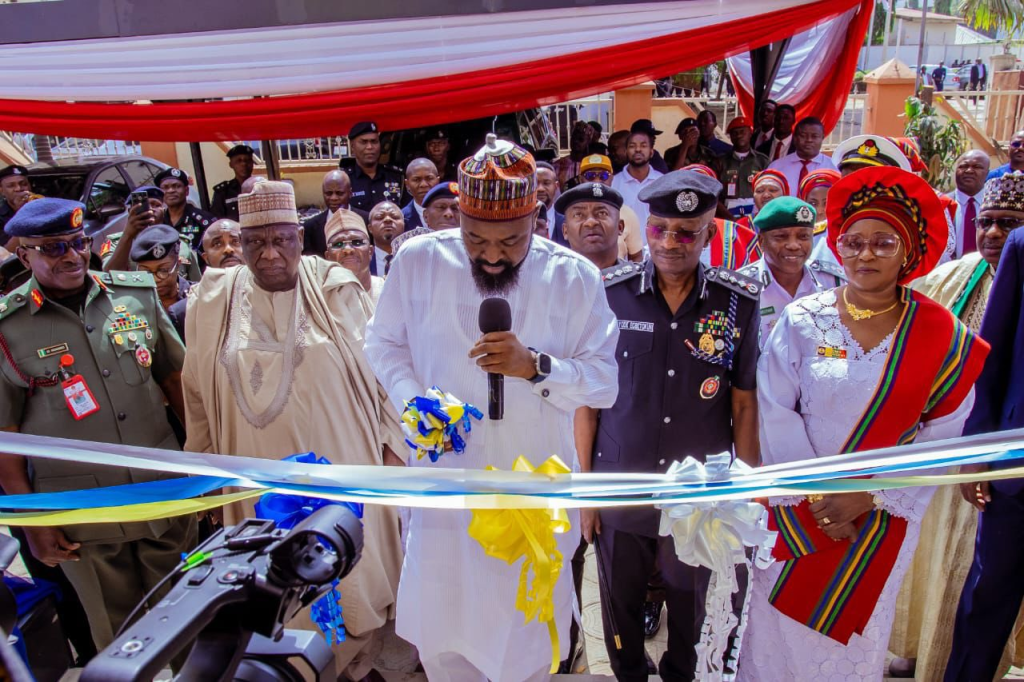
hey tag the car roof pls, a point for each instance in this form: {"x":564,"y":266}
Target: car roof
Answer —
{"x":83,"y":164}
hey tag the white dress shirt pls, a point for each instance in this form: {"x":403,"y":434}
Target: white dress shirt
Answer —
{"x":379,"y":257}
{"x":629,"y":187}
{"x":775,"y":298}
{"x":776,"y":143}
{"x":961,"y":211}
{"x":792,"y":165}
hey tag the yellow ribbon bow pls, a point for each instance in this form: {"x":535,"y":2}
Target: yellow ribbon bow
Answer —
{"x":509,"y":534}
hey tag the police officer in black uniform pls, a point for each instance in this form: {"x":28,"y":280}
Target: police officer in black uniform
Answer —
{"x":15,"y":192}
{"x":437,"y":147}
{"x":687,"y":357}
{"x":225,"y":194}
{"x":372,"y":182}
{"x":181,"y":215}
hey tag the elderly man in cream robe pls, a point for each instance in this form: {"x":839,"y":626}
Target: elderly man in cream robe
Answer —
{"x":276,"y":367}
{"x":456,"y":604}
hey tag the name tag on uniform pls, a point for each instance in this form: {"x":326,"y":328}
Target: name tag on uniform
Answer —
{"x":832,"y":352}
{"x":770,"y":310}
{"x":631,"y":326}
{"x":50,"y":351}
{"x":79,"y":398}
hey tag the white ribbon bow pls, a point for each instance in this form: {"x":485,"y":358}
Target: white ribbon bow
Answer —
{"x":716,"y":535}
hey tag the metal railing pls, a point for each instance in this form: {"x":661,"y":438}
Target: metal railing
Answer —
{"x":562,"y":116}
{"x":73,"y":147}
{"x":312,"y":149}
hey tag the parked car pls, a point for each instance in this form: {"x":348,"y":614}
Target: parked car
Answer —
{"x":102,"y":183}
{"x":953,"y":79}
{"x":963,"y":74}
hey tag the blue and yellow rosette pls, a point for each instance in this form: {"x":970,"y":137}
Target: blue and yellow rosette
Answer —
{"x":431,"y":420}
{"x":512,"y":534}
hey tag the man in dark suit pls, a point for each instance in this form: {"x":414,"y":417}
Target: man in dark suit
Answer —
{"x":337,"y":189}
{"x":781,"y":142}
{"x":979,"y":75}
{"x":994,"y":588}
{"x":420,"y":176}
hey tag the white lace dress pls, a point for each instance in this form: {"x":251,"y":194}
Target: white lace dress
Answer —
{"x":809,"y":404}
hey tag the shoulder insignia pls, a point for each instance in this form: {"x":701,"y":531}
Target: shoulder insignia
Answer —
{"x":828,"y":268}
{"x":620,"y":272}
{"x":754,"y":272}
{"x":11,"y":302}
{"x":221,"y":185}
{"x":135,"y":278}
{"x":820,"y":227}
{"x":733,"y":280}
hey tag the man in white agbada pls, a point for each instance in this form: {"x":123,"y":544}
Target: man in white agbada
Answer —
{"x":456,"y":604}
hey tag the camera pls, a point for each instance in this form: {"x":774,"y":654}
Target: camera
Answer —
{"x":232,"y":597}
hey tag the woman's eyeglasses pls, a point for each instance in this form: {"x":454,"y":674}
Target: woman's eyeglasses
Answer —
{"x":882,"y":244}
{"x":348,"y":244}
{"x":596,"y":175}
{"x":1005,"y":224}
{"x":58,"y":249}
{"x":659,"y":234}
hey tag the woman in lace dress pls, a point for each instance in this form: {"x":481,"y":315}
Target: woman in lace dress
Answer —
{"x":867,"y":365}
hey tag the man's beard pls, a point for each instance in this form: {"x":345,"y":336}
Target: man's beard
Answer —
{"x":638,"y":164}
{"x":501,"y":284}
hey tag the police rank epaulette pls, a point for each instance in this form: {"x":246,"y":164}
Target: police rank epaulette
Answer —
{"x":620,"y":273}
{"x":130,"y":279}
{"x":754,"y":272}
{"x":735,"y":281}
{"x":828,"y":267}
{"x":221,"y":185}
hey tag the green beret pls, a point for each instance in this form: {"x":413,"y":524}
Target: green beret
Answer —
{"x":783,"y":212}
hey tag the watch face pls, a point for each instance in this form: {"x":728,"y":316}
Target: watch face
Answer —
{"x":545,"y":363}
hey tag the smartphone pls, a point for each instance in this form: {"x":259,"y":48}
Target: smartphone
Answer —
{"x":139,"y":199}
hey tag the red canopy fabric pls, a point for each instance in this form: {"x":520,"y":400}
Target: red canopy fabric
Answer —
{"x":825,"y":91}
{"x":429,"y":101}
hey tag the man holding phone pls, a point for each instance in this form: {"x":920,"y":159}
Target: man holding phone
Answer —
{"x":146,"y":208}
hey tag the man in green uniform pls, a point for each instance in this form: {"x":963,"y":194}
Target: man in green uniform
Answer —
{"x":116,"y":251}
{"x":90,"y":356}
{"x":225,"y":195}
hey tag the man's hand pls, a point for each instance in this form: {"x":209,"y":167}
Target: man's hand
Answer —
{"x":50,"y":546}
{"x":590,"y":524}
{"x":391,"y":459}
{"x":501,"y":353}
{"x":139,"y":218}
{"x":977,"y":494}
{"x":20,"y":199}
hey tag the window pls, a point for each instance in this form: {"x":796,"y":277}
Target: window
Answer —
{"x":108,"y":189}
{"x":140,"y":172}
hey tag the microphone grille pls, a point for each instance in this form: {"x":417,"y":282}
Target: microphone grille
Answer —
{"x":495,"y":315}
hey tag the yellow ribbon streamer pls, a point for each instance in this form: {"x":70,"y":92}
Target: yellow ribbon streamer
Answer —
{"x":511,"y":534}
{"x":145,"y":511}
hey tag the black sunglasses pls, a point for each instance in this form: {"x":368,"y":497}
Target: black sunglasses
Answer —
{"x":58,"y":249}
{"x":1004,"y":224}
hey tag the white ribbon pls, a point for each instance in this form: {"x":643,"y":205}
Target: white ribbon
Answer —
{"x":716,"y":535}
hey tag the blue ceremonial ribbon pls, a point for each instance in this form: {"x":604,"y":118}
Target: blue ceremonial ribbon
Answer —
{"x":119,"y":495}
{"x":287,"y":511}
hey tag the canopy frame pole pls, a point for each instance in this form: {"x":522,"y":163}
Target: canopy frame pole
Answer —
{"x":200,"y":171}
{"x":765,"y":63}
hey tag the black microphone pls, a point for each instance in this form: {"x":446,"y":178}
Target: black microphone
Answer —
{"x":495,"y":316}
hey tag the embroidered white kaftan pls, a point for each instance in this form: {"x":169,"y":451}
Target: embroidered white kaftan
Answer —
{"x":452,"y":597}
{"x":809,"y":405}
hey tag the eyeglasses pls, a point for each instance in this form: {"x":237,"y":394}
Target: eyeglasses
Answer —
{"x":162,"y":273}
{"x":350,"y":244}
{"x":883,"y":245}
{"x":58,"y":249}
{"x":1004,"y":224}
{"x":596,"y":176}
{"x":1016,"y":144}
{"x":658,"y":234}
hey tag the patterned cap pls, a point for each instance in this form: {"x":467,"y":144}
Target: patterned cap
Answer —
{"x":269,"y":203}
{"x":772,"y":176}
{"x":342,"y":220}
{"x":912,"y":151}
{"x":499,"y":182}
{"x":702,"y":169}
{"x":821,"y":177}
{"x":1004,"y":193}
{"x":902,"y":200}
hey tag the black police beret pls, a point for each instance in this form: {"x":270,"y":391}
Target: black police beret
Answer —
{"x":681,"y":194}
{"x":442,"y":190}
{"x":13,"y":170}
{"x":686,"y":123}
{"x":588,"y":191}
{"x":151,"y":191}
{"x":46,"y":218}
{"x":172,"y":173}
{"x":362,"y":128}
{"x":240,"y":149}
{"x":436,"y":134}
{"x":155,"y":242}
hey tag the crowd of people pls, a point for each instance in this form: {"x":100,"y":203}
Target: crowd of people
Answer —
{"x":760,"y":298}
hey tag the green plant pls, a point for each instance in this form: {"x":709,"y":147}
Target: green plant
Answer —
{"x":993,"y":14}
{"x":940,"y":140}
